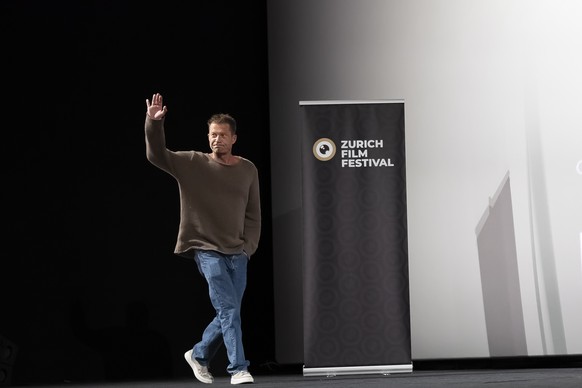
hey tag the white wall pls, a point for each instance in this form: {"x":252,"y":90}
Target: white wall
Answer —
{"x":490,"y":88}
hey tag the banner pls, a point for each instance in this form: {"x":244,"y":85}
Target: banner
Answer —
{"x":355,"y":247}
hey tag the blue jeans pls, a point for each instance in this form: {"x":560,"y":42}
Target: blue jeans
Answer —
{"x":227,"y":279}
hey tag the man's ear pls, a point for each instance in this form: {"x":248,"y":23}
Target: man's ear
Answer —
{"x":233,"y":139}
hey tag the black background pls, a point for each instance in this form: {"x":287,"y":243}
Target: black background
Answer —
{"x":89,"y":286}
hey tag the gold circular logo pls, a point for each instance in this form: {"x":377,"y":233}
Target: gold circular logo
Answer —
{"x":324,"y":149}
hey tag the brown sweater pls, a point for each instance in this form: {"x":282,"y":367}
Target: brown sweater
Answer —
{"x":219,"y":204}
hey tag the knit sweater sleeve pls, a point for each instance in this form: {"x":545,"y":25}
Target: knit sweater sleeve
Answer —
{"x":252,"y":225}
{"x":155,"y":140}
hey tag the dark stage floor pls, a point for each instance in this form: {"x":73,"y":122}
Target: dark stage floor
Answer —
{"x":530,"y":372}
{"x":542,"y":378}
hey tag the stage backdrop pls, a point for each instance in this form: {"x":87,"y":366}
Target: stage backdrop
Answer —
{"x":355,"y":252}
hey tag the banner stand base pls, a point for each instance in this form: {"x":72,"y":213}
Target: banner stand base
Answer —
{"x":357,"y":370}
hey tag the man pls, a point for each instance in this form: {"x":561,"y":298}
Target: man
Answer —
{"x":220,"y":226}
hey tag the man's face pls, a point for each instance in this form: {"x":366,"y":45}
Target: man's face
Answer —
{"x":220,"y":138}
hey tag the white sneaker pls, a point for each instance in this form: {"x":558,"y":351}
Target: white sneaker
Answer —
{"x":242,"y":377}
{"x":201,"y":372}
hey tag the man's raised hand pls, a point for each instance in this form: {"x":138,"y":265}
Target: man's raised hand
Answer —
{"x":156,"y":109}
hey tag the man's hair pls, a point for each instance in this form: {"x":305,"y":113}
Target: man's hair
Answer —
{"x":223,"y":118}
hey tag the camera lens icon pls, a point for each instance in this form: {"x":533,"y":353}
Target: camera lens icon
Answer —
{"x":324,"y":149}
